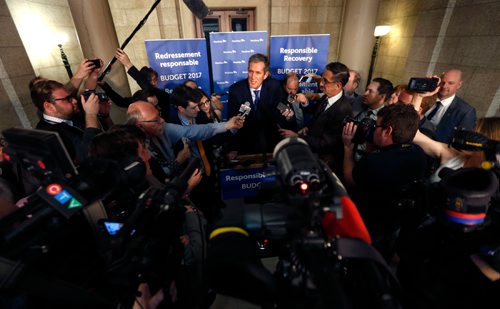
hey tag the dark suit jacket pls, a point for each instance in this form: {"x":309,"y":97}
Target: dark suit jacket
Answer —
{"x":459,"y":115}
{"x":75,"y":140}
{"x":325,"y":134}
{"x":163,"y":97}
{"x":260,"y":131}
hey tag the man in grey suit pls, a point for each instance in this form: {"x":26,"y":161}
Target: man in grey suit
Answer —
{"x":450,"y":111}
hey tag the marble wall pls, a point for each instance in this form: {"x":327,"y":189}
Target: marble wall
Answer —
{"x":430,"y":37}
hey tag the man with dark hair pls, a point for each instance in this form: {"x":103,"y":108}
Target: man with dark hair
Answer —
{"x":147,"y":79}
{"x":375,"y":97}
{"x":379,"y":177}
{"x":205,"y":196}
{"x":59,"y":107}
{"x":185,"y":100}
{"x":260,"y":132}
{"x":377,"y":93}
{"x":324,"y":132}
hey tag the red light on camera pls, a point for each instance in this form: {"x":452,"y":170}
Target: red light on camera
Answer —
{"x":41,"y":164}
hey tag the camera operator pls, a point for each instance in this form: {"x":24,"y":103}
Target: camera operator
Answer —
{"x":59,"y":108}
{"x":377,"y":93}
{"x":448,"y":156}
{"x":377,"y":179}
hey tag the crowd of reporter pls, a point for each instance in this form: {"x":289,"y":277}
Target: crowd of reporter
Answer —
{"x":392,"y":173}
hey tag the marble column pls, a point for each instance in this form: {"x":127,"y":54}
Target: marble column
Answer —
{"x":97,"y":35}
{"x":357,"y":38}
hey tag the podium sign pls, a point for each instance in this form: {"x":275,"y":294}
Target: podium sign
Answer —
{"x":244,"y":182}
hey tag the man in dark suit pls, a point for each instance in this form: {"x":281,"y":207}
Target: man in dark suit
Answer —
{"x":58,"y":109}
{"x":450,"y":111}
{"x":260,"y":132}
{"x":324,"y":132}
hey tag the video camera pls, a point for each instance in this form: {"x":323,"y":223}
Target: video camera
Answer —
{"x":364,"y":131}
{"x":61,"y":237}
{"x":308,"y":221}
{"x":468,"y":192}
{"x":474,"y":141}
{"x":103,"y":97}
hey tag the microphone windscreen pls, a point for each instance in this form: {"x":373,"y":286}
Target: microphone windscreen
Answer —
{"x":197,"y":7}
{"x":350,"y":225}
{"x":245,"y":109}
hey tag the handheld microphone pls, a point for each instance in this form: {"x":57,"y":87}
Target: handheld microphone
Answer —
{"x":244,"y":109}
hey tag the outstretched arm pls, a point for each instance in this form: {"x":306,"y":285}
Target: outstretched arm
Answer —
{"x":434,"y":148}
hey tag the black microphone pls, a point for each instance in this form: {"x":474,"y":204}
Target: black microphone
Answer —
{"x":244,"y":109}
{"x":197,"y":7}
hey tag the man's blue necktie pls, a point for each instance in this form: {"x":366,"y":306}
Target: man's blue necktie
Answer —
{"x":257,"y":99}
{"x":435,"y":110}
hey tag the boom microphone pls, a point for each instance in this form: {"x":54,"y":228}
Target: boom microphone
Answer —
{"x":197,"y":7}
{"x":244,"y":109}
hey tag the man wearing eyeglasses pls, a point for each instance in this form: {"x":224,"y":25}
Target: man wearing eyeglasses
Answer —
{"x":58,"y":108}
{"x":379,"y":179}
{"x":163,"y":136}
{"x":324,"y":131}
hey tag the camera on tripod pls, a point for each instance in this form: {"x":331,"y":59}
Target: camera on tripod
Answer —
{"x":364,"y":131}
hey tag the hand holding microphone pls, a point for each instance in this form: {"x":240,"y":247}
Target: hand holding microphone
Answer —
{"x":235,"y":122}
{"x":244,"y":109}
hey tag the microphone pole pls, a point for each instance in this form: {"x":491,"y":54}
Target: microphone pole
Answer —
{"x":127,"y":40}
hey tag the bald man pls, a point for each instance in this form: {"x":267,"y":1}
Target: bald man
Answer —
{"x":450,"y":111}
{"x":162,"y":136}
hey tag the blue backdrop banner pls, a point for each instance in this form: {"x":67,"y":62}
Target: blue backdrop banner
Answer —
{"x":230,"y":52}
{"x":301,"y":54}
{"x":179,"y":60}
